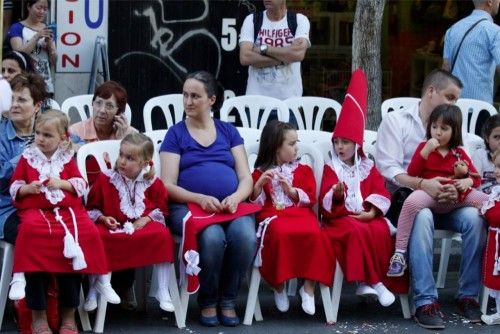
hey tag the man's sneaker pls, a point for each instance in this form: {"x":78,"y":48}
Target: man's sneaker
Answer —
{"x":397,"y":266}
{"x":469,"y":309}
{"x":492,"y":319}
{"x":429,"y":316}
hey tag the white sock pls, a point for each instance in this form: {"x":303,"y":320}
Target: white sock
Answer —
{"x":497,"y":301}
{"x":163,"y":274}
{"x":92,"y":294}
{"x":104,"y":279}
{"x":18,"y":277}
{"x":392,"y":228}
{"x":400,"y":251}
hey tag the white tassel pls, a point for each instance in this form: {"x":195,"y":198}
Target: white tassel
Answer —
{"x":79,"y":262}
{"x":70,"y":246}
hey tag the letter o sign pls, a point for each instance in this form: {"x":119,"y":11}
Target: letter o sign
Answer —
{"x":70,"y":38}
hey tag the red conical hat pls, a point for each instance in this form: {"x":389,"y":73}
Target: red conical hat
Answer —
{"x":351,"y":122}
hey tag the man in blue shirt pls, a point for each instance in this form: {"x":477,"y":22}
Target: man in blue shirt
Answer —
{"x":479,"y":54}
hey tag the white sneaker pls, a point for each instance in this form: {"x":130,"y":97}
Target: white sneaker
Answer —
{"x":385,"y":297}
{"x":492,"y":319}
{"x":107,"y":292}
{"x":281,"y":300}
{"x":17,"y":289}
{"x":163,"y":296}
{"x":308,"y":304}
{"x":365,"y":290}
{"x":90,"y":304}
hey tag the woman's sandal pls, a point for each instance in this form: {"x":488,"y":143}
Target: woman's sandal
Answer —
{"x":68,"y":328}
{"x":40,"y":327}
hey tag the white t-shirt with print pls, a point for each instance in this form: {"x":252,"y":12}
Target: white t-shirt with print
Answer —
{"x":281,"y":81}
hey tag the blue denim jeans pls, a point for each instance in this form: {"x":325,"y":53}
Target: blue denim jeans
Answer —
{"x":471,"y":226}
{"x":226,"y":253}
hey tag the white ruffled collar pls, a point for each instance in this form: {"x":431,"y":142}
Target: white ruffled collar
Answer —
{"x":280,"y":199}
{"x":48,"y":168}
{"x":352,"y":176}
{"x":492,"y":198}
{"x":131,"y":192}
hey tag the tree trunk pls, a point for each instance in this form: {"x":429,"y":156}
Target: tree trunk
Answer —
{"x":366,"y":53}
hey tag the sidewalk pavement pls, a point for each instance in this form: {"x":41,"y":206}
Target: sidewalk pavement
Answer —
{"x":355,"y":317}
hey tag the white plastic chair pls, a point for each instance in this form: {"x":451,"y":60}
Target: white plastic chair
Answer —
{"x":254,"y":110}
{"x":53,"y":104}
{"x":473,"y":107}
{"x":157,"y":137}
{"x":83,"y":106}
{"x":309,"y":111}
{"x":313,"y":136}
{"x":397,"y":103}
{"x":309,"y":155}
{"x":97,"y":150}
{"x":249,"y":135}
{"x":7,"y":263}
{"x":171,"y":105}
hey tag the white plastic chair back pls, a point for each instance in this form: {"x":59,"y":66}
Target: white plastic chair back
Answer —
{"x":228,"y":93}
{"x":157,"y":137}
{"x":171,"y":105}
{"x":370,"y":138}
{"x":473,"y":143}
{"x":313,"y":136}
{"x":83,"y":106}
{"x":473,"y":107}
{"x":97,"y":149}
{"x":53,"y":104}
{"x":309,"y":111}
{"x":397,"y":103}
{"x":249,"y":135}
{"x":254,"y":110}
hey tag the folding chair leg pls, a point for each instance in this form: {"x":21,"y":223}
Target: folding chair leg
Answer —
{"x":443,"y":262}
{"x":84,"y":316}
{"x":336,"y":291}
{"x":101,"y":315}
{"x":140,"y":288}
{"x":7,"y":264}
{"x":292,"y":287}
{"x":327,"y":303}
{"x":252,"y":298}
{"x":180,"y":318}
{"x":405,"y":306}
{"x":483,"y":300}
{"x":184,"y":300}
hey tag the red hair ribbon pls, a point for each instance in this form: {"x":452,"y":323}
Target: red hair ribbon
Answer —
{"x":151,"y":163}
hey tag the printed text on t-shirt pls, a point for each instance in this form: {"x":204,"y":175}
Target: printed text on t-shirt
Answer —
{"x":275,"y":37}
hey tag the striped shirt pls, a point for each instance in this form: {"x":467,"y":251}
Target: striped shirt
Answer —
{"x":478,"y":57}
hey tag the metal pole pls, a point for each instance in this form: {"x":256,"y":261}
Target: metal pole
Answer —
{"x":1,"y":28}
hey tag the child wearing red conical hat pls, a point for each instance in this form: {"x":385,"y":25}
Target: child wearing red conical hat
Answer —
{"x":354,"y":200}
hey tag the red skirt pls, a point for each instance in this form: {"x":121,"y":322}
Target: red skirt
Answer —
{"x":294,"y":248}
{"x":490,"y":281}
{"x":149,"y":245}
{"x":363,"y":250}
{"x":40,"y":242}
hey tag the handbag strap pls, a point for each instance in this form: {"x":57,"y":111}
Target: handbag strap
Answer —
{"x":460,"y":45}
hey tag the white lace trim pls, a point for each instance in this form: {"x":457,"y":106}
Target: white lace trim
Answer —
{"x":14,"y":188}
{"x":157,"y":216}
{"x":492,"y":198}
{"x":280,"y":199}
{"x":380,"y":202}
{"x":79,"y":185}
{"x":304,"y":199}
{"x":124,"y":186}
{"x":261,"y":199}
{"x":328,"y":201}
{"x":48,"y":168}
{"x":94,"y":214}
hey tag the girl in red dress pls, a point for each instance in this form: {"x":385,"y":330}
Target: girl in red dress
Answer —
{"x":354,"y":200}
{"x":292,"y":244}
{"x":129,"y":205}
{"x":491,"y":263}
{"x":55,"y":235}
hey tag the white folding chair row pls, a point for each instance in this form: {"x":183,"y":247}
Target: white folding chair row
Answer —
{"x":83,"y":106}
{"x":473,"y":108}
{"x":397,"y":104}
{"x":309,"y":155}
{"x":309,"y":111}
{"x":98,"y":150}
{"x":171,"y":105}
{"x":253,"y":110}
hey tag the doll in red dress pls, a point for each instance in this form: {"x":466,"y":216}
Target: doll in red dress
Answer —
{"x":129,"y":205}
{"x":491,"y":262}
{"x":292,"y":245}
{"x":56,"y":235}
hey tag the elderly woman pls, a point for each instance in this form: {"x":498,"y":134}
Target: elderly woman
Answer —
{"x":204,"y":162}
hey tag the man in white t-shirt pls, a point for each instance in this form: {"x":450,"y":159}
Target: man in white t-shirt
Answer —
{"x":274,"y":55}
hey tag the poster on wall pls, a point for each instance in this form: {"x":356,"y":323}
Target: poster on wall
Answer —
{"x":79,"y":23}
{"x":154,"y":44}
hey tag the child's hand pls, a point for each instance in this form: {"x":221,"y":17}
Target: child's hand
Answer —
{"x":463,"y":184}
{"x":109,"y":222}
{"x":33,"y":188}
{"x":230,"y":204}
{"x":141,"y":222}
{"x":365,"y":216}
{"x":338,"y":191}
{"x":286,"y":185}
{"x":266,"y":177}
{"x":53,"y":183}
{"x":430,"y":146}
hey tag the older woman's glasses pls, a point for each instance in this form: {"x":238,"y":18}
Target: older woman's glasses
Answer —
{"x":108,"y":106}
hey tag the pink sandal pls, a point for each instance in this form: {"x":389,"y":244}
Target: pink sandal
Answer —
{"x":40,"y":327}
{"x":68,"y":328}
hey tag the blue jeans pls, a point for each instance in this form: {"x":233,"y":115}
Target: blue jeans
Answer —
{"x":226,"y":253}
{"x":471,"y":226}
